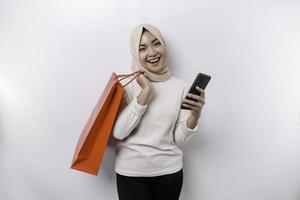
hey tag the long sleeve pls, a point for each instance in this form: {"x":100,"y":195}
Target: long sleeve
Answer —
{"x":182,"y":133}
{"x":129,"y":115}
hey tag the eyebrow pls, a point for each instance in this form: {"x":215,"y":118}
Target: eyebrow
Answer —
{"x":152,"y":42}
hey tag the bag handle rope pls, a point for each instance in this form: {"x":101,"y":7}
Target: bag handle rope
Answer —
{"x":127,"y":75}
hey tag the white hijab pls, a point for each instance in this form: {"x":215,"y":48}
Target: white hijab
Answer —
{"x":134,"y":43}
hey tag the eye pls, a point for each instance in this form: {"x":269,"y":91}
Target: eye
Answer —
{"x":157,"y":43}
{"x":143,"y":49}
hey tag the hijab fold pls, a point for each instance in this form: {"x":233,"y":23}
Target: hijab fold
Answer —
{"x":134,"y":43}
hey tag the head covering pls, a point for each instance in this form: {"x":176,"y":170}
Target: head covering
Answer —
{"x":134,"y":43}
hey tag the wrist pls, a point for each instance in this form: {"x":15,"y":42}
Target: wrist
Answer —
{"x":146,"y":90}
{"x":192,"y":121}
{"x":143,"y":97}
{"x":194,"y":117}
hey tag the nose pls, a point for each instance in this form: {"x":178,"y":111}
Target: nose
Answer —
{"x":152,"y":52}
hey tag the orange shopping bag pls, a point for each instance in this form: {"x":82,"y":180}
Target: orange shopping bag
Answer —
{"x":95,"y":134}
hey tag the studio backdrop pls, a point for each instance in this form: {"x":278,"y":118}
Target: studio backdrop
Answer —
{"x":57,"y":56}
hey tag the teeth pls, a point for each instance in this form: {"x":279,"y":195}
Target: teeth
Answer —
{"x":154,"y":60}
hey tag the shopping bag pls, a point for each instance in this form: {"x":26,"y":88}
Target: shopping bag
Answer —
{"x":95,"y":134}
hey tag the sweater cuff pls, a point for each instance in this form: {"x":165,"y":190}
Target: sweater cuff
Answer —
{"x":136,"y":107}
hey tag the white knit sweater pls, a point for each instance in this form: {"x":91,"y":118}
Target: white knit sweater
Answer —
{"x":150,"y":136}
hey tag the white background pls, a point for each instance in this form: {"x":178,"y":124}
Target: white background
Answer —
{"x":56,"y":57}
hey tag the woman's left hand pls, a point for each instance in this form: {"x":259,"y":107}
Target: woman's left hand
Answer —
{"x":196,"y":104}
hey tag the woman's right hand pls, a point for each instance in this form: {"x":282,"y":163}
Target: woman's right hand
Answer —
{"x":143,"y":81}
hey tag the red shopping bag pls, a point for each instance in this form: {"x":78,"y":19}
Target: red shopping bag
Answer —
{"x":95,"y":134}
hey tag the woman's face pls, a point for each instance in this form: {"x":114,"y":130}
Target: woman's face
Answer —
{"x":151,"y":53}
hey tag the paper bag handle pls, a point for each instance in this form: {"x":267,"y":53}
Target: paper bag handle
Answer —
{"x":127,"y":75}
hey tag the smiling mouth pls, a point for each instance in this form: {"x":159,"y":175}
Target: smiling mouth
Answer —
{"x":153,"y":61}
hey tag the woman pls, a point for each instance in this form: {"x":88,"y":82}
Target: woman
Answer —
{"x":151,"y":127}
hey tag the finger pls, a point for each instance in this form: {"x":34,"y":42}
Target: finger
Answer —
{"x":144,"y":74}
{"x":196,"y":108}
{"x":198,"y":99}
{"x":193,"y":103}
{"x":202,"y":92}
{"x":202,"y":99}
{"x":199,"y":89}
{"x":143,"y":71}
{"x":194,"y":96}
{"x":186,"y":105}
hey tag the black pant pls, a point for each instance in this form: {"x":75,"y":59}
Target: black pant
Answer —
{"x":165,"y":187}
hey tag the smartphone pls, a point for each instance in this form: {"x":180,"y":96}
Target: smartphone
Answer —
{"x":201,"y":80}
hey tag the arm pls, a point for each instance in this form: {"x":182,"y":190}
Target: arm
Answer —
{"x":182,"y":132}
{"x":186,"y":125}
{"x":143,"y":97}
{"x":130,"y":116}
